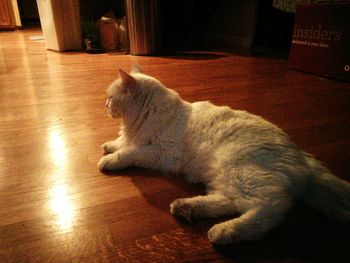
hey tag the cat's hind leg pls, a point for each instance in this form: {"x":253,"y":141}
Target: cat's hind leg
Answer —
{"x":212,"y":205}
{"x":251,"y":225}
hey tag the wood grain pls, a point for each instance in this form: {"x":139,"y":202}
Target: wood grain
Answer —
{"x":56,"y":206}
{"x":6,"y":15}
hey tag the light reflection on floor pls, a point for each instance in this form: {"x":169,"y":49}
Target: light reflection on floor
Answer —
{"x":62,"y":206}
{"x":60,"y":200}
{"x":57,"y":148}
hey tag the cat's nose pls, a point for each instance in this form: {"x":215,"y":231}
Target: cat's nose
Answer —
{"x":106,"y":103}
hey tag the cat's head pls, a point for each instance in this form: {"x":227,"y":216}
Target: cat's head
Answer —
{"x":121,"y":92}
{"x":127,"y":96}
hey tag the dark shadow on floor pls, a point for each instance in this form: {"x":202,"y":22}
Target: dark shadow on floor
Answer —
{"x":194,"y":55}
{"x":305,"y":236}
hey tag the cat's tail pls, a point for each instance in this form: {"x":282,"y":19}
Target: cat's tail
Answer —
{"x":328,"y":193}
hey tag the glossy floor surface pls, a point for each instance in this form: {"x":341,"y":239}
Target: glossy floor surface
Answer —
{"x":56,"y":206}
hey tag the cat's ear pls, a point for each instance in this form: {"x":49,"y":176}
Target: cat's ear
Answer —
{"x":136,"y":69}
{"x":128,"y":82}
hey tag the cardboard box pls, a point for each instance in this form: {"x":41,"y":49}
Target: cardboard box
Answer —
{"x":108,"y":33}
{"x":321,"y":40}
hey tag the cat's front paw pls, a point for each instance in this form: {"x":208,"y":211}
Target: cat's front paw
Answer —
{"x":181,"y":209}
{"x":109,"y":147}
{"x":221,"y":234}
{"x":110,"y":162}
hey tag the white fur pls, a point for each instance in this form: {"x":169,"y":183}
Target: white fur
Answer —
{"x":250,"y":166}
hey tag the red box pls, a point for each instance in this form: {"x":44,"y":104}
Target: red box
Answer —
{"x":321,"y":40}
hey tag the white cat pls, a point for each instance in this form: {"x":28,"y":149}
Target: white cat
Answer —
{"x":248,"y":165}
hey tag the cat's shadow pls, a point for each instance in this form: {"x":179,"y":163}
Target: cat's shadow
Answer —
{"x":158,"y":189}
{"x":305,"y":235}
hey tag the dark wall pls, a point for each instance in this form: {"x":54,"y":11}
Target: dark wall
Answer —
{"x":185,"y":21}
{"x":97,"y":8}
{"x":274,"y":28}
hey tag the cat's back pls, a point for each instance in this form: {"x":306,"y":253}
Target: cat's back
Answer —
{"x":218,"y":123}
{"x":227,"y":137}
{"x":207,"y":111}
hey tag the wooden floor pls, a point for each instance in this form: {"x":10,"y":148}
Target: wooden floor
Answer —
{"x":56,"y":206}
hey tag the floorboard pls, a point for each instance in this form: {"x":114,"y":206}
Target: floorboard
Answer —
{"x":56,"y":206}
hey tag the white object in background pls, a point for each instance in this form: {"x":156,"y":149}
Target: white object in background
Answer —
{"x":60,"y":22}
